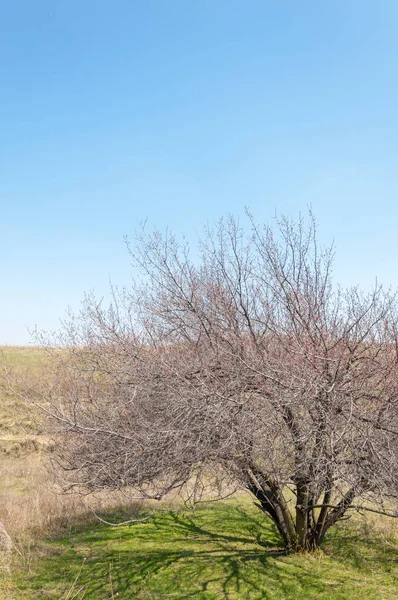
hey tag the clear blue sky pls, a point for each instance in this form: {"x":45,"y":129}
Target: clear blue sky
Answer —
{"x":181,"y":111}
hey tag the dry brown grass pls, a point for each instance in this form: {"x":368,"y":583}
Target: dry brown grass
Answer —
{"x":31,"y":508}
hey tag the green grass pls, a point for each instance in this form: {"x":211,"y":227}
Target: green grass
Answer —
{"x":225,"y":550}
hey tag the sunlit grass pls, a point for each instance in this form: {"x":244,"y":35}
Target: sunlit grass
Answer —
{"x":226,"y":550}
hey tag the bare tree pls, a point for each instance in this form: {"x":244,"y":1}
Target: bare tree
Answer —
{"x":245,"y":367}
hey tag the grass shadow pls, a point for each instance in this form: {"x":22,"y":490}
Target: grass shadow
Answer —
{"x":223,"y":551}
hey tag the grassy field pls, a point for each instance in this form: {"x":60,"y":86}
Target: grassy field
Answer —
{"x":223,"y":550}
{"x":17,"y":419}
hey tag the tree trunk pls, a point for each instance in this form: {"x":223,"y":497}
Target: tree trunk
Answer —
{"x":302,"y":521}
{"x":304,"y":533}
{"x":273,"y":503}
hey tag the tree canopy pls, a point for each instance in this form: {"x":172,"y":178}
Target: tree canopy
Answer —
{"x":246,"y":367}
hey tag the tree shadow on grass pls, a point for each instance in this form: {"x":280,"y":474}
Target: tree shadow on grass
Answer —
{"x":222,"y":552}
